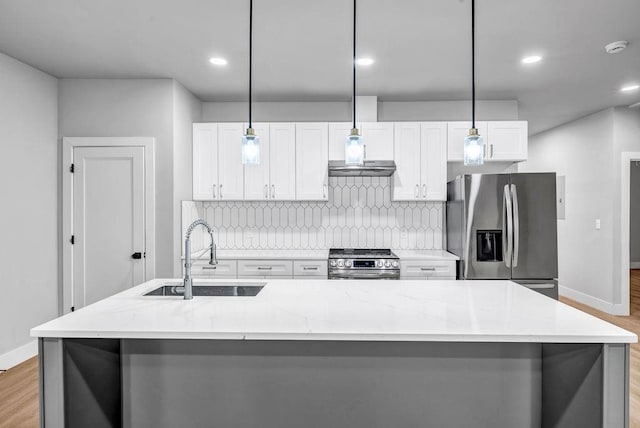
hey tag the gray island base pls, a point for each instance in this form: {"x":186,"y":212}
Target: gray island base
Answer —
{"x":269,"y":383}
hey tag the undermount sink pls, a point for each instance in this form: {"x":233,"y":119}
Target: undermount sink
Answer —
{"x":219,"y":289}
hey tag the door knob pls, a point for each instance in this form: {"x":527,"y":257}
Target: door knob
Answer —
{"x":136,"y":256}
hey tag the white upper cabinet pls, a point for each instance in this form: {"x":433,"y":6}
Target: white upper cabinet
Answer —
{"x":406,"y":154}
{"x":338,"y":133}
{"x":456,"y":133}
{"x":312,"y":157}
{"x":378,"y":140}
{"x":282,"y":161}
{"x":256,"y":177}
{"x":205,"y":162}
{"x":507,"y":141}
{"x":420,"y":154}
{"x":433,"y":156}
{"x":230,"y":167}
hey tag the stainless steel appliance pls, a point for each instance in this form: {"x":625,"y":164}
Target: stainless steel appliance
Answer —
{"x":370,"y":168}
{"x":503,"y":226}
{"x":353,"y":263}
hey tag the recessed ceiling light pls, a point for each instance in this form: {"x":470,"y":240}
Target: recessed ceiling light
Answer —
{"x":218,"y":61}
{"x":629,"y":88}
{"x":531,"y":59}
{"x":365,"y":61}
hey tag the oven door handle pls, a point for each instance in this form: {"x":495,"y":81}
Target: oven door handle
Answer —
{"x":377,"y":275}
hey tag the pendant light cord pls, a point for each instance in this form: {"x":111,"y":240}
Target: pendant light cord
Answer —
{"x":354,"y":64}
{"x":250,"y":53}
{"x":473,"y":64}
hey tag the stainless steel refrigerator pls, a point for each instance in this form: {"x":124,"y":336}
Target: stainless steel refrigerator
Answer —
{"x":503,"y":226}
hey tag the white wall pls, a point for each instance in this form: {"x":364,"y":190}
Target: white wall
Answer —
{"x":129,"y":108}
{"x":29,"y":194}
{"x":582,"y":151}
{"x":187,"y":109}
{"x":634,"y":226}
{"x":388,"y":111}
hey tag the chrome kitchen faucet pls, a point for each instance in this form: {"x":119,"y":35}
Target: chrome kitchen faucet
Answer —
{"x":188,"y":286}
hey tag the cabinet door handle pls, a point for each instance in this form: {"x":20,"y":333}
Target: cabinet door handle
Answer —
{"x":273,"y":191}
{"x":265,"y":267}
{"x":424,"y":190}
{"x":364,"y":148}
{"x":209,"y":267}
{"x":417,"y":191}
{"x":310,"y":268}
{"x":221,"y":191}
{"x":266,"y":191}
{"x":427,"y":269}
{"x":491,"y":147}
{"x":214,"y":191}
{"x":324,"y":191}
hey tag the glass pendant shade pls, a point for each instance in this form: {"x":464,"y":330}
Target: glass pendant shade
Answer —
{"x":354,"y":149}
{"x":250,"y":148}
{"x":473,"y":148}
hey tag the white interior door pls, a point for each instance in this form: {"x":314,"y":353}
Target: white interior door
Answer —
{"x":108,"y":221}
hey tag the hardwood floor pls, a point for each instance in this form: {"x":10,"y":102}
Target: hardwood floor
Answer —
{"x":19,"y":396}
{"x":19,"y":386}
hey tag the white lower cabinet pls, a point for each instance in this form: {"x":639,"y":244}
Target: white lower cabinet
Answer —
{"x":225,"y":269}
{"x":310,"y":269}
{"x":265,"y":268}
{"x":427,"y":269}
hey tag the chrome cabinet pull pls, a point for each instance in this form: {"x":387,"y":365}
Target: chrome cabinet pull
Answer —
{"x":221,"y":191}
{"x":417,"y":191}
{"x":324,"y":191}
{"x":424,"y":190}
{"x":265,"y":267}
{"x":491,"y":148}
{"x":273,"y":191}
{"x":427,"y":268}
{"x":214,"y":191}
{"x":310,"y":268}
{"x":266,"y":191}
{"x":209,"y":267}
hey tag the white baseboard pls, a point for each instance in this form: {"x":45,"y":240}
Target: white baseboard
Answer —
{"x":594,"y":302}
{"x":634,"y":265}
{"x":18,"y":355}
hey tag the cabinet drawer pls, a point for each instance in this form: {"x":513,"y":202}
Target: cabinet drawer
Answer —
{"x":266,"y":268}
{"x":224,"y":269}
{"x":310,"y":268}
{"x":421,"y":268}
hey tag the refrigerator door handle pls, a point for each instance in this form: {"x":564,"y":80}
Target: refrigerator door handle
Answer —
{"x":508,"y":227}
{"x":516,"y":225}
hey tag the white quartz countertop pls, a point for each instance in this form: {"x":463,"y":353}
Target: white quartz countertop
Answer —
{"x":429,"y":255}
{"x":223,"y":254}
{"x":441,"y":311}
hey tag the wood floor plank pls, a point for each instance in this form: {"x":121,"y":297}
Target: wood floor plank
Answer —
{"x":19,"y":385}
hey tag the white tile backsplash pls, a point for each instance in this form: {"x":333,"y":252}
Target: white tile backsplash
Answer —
{"x":359,"y":213}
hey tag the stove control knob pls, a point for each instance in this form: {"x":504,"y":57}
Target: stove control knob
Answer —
{"x":340,"y":263}
{"x":333,"y":263}
{"x":387,"y":264}
{"x":347,"y":263}
{"x":380,"y":263}
{"x":394,"y":264}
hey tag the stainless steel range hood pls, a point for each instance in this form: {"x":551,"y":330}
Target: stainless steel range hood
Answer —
{"x":374,"y":168}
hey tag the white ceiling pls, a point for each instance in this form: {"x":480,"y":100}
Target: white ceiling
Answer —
{"x":302,"y":48}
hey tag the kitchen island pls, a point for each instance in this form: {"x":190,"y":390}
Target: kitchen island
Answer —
{"x":319,"y":353}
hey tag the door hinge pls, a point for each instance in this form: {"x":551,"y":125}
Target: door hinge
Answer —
{"x":73,"y":239}
{"x":72,"y":169}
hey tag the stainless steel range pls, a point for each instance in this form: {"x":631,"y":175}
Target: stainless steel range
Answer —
{"x":354,"y":263}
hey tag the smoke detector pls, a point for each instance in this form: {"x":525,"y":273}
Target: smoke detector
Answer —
{"x":616,"y":47}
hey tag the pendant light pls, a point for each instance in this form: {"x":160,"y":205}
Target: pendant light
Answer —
{"x":250,"y":141}
{"x":473,"y":143}
{"x":354,"y":145}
